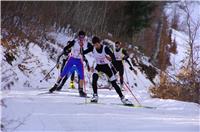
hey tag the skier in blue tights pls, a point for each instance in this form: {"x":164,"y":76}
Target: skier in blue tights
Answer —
{"x":65,"y":55}
{"x":74,"y":62}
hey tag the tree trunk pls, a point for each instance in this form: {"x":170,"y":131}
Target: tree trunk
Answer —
{"x":158,"y":36}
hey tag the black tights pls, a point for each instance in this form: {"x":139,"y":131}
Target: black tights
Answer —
{"x":114,"y":84}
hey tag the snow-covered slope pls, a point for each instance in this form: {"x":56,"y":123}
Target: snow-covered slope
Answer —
{"x":29,"y":110}
{"x":180,"y":60}
{"x":181,"y":38}
{"x":26,"y":71}
{"x":63,"y":112}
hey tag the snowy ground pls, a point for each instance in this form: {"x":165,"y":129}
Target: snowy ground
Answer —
{"x":64,"y":111}
{"x":26,"y":111}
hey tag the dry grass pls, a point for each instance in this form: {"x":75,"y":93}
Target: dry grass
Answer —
{"x":177,"y":92}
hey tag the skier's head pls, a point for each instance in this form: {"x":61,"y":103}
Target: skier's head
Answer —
{"x":81,"y":35}
{"x":117,"y":44}
{"x":96,"y":42}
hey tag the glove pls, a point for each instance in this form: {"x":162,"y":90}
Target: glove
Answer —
{"x":92,"y":69}
{"x":108,"y":58}
{"x":57,"y":66}
{"x":88,"y":68}
{"x":131,"y":68}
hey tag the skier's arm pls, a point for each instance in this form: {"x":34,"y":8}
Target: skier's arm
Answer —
{"x":110,"y":53}
{"x":65,"y":50}
{"x":89,"y":49}
{"x":126,"y":56}
{"x":86,"y":61}
{"x":58,"y":59}
{"x":70,"y":44}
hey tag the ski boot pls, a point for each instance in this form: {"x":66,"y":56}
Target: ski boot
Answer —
{"x":53,"y":88}
{"x":126,"y":101}
{"x":82,"y":93}
{"x":72,"y":85}
{"x":94,"y":98}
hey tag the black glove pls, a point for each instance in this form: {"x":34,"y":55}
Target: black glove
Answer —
{"x":131,"y":68}
{"x":57,"y":65}
{"x":88,"y":67}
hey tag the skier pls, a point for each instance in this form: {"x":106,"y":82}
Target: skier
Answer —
{"x":102,"y":65}
{"x":74,"y":62}
{"x":65,"y":55}
{"x":120,"y":55}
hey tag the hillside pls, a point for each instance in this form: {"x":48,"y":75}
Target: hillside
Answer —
{"x":63,"y":111}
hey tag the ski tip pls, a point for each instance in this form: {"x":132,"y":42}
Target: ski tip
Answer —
{"x":137,"y":106}
{"x":45,"y":93}
{"x":85,"y":97}
{"x":141,"y":106}
{"x":129,"y":105}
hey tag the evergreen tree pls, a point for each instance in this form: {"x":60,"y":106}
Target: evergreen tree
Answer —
{"x":138,"y":15}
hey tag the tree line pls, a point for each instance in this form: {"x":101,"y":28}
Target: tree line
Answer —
{"x":121,"y":19}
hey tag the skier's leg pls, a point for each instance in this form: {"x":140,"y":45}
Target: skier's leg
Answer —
{"x":72,"y":80}
{"x":64,"y":72}
{"x":56,"y":85}
{"x":113,"y":69}
{"x":78,"y":82}
{"x":94,"y":86}
{"x":94,"y":82}
{"x":72,"y":76}
{"x":121,"y":73}
{"x":118,"y":90}
{"x":121,"y":79}
{"x":62,"y":83}
{"x":63,"y":64}
{"x":80,"y":71}
{"x":64,"y":79}
{"x":107,"y":70}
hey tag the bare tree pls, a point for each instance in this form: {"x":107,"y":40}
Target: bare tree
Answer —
{"x":192,"y":29}
{"x":191,"y":66}
{"x":158,"y":35}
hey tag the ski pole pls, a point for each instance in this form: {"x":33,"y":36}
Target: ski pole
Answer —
{"x":84,"y":83}
{"x":132,"y":93}
{"x":48,"y":73}
{"x":129,"y":90}
{"x":84,"y":87}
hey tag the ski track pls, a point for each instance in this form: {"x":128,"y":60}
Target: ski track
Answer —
{"x":63,"y":111}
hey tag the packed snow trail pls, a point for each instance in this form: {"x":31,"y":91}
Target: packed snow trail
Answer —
{"x":64,"y":111}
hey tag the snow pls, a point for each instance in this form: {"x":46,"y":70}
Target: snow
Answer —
{"x":181,"y":37}
{"x":65,"y":112}
{"x":179,"y":59}
{"x":60,"y":37}
{"x":27,"y":110}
